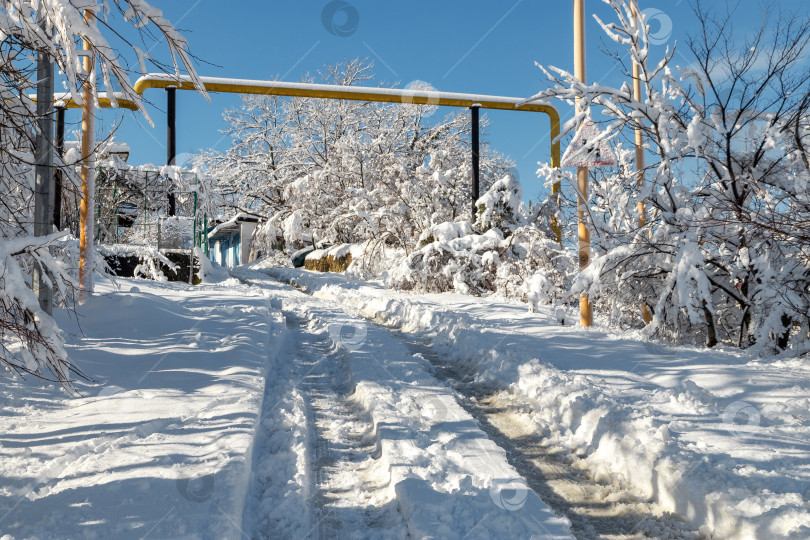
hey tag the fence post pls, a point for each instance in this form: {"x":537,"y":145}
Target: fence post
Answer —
{"x":205,"y":234}
{"x":194,"y":237}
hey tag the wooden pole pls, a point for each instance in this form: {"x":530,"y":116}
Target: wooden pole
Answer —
{"x":88,"y":174}
{"x":642,"y":217}
{"x":586,"y":315}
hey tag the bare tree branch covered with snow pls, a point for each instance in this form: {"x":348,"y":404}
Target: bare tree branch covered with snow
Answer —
{"x":30,"y":341}
{"x":725,"y":253}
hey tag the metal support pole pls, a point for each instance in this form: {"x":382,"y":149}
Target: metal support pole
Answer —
{"x":586,"y":315}
{"x":117,"y":210}
{"x":43,"y":213}
{"x":57,"y":176}
{"x":194,"y":236}
{"x":88,"y":172}
{"x":476,"y":159}
{"x":171,"y":140}
{"x":205,"y":233}
{"x":642,"y":213}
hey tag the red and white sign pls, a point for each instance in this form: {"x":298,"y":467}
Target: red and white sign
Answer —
{"x":582,"y":152}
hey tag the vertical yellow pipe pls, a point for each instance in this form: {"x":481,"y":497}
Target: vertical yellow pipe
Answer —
{"x":586,"y":315}
{"x":556,"y":189}
{"x":642,"y":217}
{"x":85,"y":228}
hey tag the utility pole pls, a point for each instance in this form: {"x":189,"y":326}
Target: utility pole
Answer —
{"x":642,"y":213}
{"x":43,"y":171}
{"x":88,"y":172}
{"x":476,"y":159}
{"x":586,"y":316}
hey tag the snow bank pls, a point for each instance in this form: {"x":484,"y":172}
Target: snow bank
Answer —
{"x":160,"y":444}
{"x":719,"y":438}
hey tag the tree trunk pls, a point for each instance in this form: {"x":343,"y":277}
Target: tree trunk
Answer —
{"x":784,"y":338}
{"x":711,"y":335}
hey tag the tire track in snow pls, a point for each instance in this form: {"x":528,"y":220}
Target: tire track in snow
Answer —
{"x":276,"y":504}
{"x":343,"y":497}
{"x":595,"y":510}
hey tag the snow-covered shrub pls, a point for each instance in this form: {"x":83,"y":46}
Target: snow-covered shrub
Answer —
{"x":498,"y":207}
{"x":30,"y":340}
{"x":516,"y":259}
{"x":142,"y":261}
{"x":452,"y":259}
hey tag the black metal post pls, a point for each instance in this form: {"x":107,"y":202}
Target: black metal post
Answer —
{"x":171,"y":149}
{"x":476,"y":159}
{"x":59,"y":143}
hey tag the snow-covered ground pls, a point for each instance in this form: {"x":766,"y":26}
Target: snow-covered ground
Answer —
{"x":719,"y":437}
{"x":159,"y":445}
{"x":249,"y":409}
{"x":243,"y":409}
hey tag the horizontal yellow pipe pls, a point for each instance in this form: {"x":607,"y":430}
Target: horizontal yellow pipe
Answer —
{"x":382,"y":95}
{"x":104,"y":102}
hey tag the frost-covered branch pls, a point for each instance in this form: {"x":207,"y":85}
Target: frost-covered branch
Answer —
{"x":723,"y":255}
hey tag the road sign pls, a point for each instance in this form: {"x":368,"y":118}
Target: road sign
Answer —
{"x":582,"y":152}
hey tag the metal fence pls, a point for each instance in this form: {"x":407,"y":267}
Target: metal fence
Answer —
{"x":132,"y":207}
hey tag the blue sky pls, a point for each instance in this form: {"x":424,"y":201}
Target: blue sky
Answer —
{"x":463,"y":46}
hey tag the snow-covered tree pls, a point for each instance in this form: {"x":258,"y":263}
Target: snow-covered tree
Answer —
{"x":334,"y":171}
{"x":724,"y":254}
{"x":30,"y":341}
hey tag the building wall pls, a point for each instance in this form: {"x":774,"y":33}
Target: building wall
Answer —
{"x":233,"y":249}
{"x":246,"y":235}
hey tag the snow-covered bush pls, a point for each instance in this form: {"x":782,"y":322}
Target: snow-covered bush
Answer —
{"x":144,"y":261}
{"x":510,"y":253}
{"x":499,"y":205}
{"x":30,"y":340}
{"x":713,"y":240}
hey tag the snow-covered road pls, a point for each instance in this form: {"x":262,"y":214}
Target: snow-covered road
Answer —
{"x":595,"y":510}
{"x":249,"y":409}
{"x":388,"y":451}
{"x":719,"y":437}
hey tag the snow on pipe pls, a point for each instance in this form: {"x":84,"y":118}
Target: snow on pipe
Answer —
{"x":358,"y":93}
{"x":63,"y":99}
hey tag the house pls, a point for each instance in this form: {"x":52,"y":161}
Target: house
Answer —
{"x":229,"y":242}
